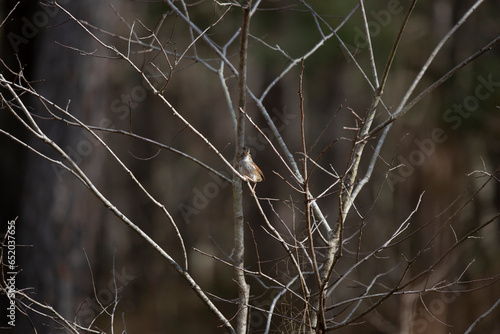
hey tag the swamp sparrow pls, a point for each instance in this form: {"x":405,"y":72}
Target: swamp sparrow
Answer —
{"x":248,"y":168}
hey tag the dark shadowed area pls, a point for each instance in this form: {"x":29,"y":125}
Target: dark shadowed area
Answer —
{"x":392,"y":225}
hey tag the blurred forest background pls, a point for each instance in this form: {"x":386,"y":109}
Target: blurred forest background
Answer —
{"x":72,"y":242}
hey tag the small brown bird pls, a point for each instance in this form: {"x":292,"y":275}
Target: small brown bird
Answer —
{"x":248,"y":168}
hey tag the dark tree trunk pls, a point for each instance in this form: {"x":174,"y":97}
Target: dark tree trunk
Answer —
{"x":58,"y":218}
